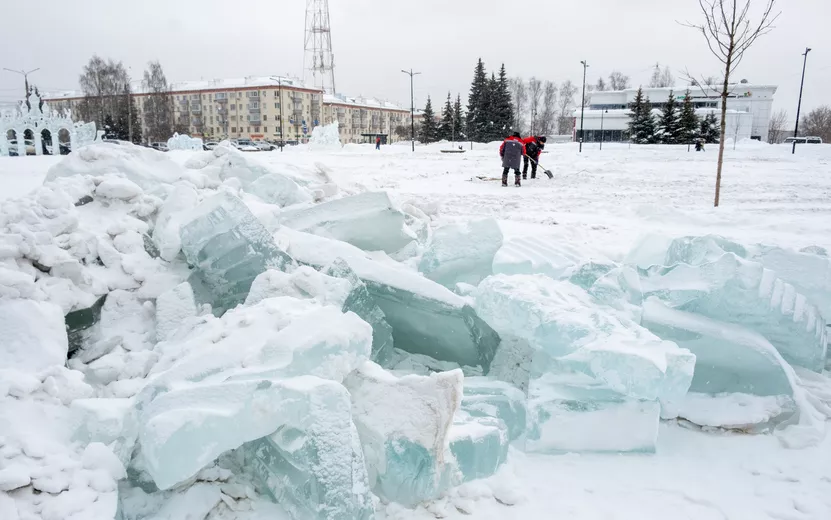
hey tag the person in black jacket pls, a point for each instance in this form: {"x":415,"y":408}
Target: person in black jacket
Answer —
{"x":533,"y":148}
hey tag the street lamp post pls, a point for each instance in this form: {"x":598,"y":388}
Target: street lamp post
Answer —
{"x":601,"y":126}
{"x":412,"y":106}
{"x":583,"y":103}
{"x":25,"y":75}
{"x":279,"y":80}
{"x":799,"y":105}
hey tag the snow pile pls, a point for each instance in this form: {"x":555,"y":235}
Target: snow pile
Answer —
{"x":227,"y":338}
{"x":326,"y":137}
{"x":185,"y":142}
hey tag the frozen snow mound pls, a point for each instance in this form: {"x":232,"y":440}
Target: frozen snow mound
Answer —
{"x":367,"y":221}
{"x":745,"y":293}
{"x":33,"y":335}
{"x":426,"y":318}
{"x":403,"y":424}
{"x":462,"y":253}
{"x":185,"y":142}
{"x":537,"y":255}
{"x":227,"y":247}
{"x":325,"y":138}
{"x":145,"y":167}
{"x":572,"y":333}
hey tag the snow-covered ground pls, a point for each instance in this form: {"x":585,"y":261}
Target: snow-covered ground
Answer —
{"x":600,"y":203}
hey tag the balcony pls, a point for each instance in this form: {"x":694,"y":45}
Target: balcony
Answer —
{"x":254,"y":110}
{"x":296,"y":113}
{"x":222,"y":111}
{"x":196,"y":122}
{"x":195,"y":109}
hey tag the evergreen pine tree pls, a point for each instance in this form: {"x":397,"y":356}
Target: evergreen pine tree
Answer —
{"x":641,"y":122}
{"x":446,"y":125}
{"x":475,"y":103}
{"x":710,"y":131}
{"x":458,"y":119}
{"x":669,"y":125}
{"x":490,"y":132}
{"x":429,"y":128}
{"x":689,"y":120}
{"x":503,"y":107}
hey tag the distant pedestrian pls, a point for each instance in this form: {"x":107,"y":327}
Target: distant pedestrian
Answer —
{"x":533,"y":148}
{"x":378,"y":143}
{"x":511,"y":151}
{"x":699,"y":146}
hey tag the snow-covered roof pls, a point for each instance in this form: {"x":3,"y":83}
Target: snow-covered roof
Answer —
{"x":341,"y":99}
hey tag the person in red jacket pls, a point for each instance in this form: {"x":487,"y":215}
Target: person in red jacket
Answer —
{"x":512,"y":150}
{"x":533,"y":148}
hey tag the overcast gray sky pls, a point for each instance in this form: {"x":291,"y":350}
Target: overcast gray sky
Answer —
{"x":374,"y":39}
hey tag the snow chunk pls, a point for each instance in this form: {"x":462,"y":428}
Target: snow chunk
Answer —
{"x":326,"y":137}
{"x":181,"y":199}
{"x":33,"y":337}
{"x":14,"y":476}
{"x":403,"y":424}
{"x":367,"y":221}
{"x":118,"y":188}
{"x":736,"y":411}
{"x":173,"y":307}
{"x":462,"y":253}
{"x":275,"y":188}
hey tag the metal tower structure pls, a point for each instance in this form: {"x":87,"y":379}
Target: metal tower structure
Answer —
{"x":318,"y":60}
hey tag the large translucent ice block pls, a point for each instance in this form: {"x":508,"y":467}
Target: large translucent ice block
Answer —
{"x":278,"y":189}
{"x":536,"y":255}
{"x":701,"y":250}
{"x":479,"y":445}
{"x":403,"y":423}
{"x":809,"y":273}
{"x":313,"y":464}
{"x":227,"y":247}
{"x":367,"y":221}
{"x":183,"y":430}
{"x":462,"y":252}
{"x":745,"y":293}
{"x":729,"y":358}
{"x":426,"y":318}
{"x":486,"y":397}
{"x":573,"y":333}
{"x":576,"y":415}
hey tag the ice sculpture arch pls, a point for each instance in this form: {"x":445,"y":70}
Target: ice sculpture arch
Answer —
{"x":35,"y":120}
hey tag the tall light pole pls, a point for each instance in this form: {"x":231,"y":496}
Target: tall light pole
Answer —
{"x":279,"y":80}
{"x":412,"y":106}
{"x":583,"y":103}
{"x":25,"y":75}
{"x":799,"y":105}
{"x":601,"y":126}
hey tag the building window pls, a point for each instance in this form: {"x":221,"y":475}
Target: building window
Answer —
{"x":257,"y":129}
{"x":265,"y":129}
{"x":233,"y":107}
{"x":265,"y":117}
{"x":276,"y":105}
{"x":233,"y":129}
{"x":249,"y":129}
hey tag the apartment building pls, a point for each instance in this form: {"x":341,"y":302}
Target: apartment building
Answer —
{"x":263,"y":108}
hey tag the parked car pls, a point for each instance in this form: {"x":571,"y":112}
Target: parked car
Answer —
{"x":162,"y":147}
{"x":245,"y":145}
{"x":265,"y":146}
{"x":804,"y":140}
{"x":210,"y":145}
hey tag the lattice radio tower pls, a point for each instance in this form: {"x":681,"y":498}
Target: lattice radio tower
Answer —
{"x":318,"y":60}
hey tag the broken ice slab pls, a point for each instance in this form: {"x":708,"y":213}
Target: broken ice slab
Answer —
{"x":183,"y":430}
{"x":514,"y":362}
{"x":166,"y":233}
{"x":172,"y":307}
{"x":32,"y":335}
{"x":574,"y":414}
{"x":737,"y":411}
{"x":108,"y":421}
{"x":486,"y":397}
{"x":367,"y":221}
{"x":729,"y":358}
{"x":278,"y":189}
{"x":426,"y":318}
{"x":701,"y":250}
{"x":80,"y":320}
{"x":401,"y":362}
{"x":573,"y":333}
{"x":227,"y":247}
{"x":313,"y":464}
{"x":479,"y":445}
{"x":462,"y":252}
{"x":403,"y":423}
{"x":809,"y":273}
{"x":745,"y":293}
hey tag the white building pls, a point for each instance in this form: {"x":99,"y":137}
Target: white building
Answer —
{"x":748,"y":110}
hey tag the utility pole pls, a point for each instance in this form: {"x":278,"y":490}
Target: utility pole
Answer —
{"x":412,"y":106}
{"x":799,"y":105}
{"x":279,"y":80}
{"x":601,"y":127}
{"x":25,"y":75}
{"x":583,"y":104}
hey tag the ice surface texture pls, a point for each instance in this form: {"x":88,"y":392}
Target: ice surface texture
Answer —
{"x":745,"y":293}
{"x":228,"y":247}
{"x":462,"y":253}
{"x":403,"y":424}
{"x":367,"y":221}
{"x":425,"y":317}
{"x":485,"y":397}
{"x":33,"y":336}
{"x":479,"y":446}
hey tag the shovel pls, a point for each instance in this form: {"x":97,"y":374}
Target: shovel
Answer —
{"x":547,"y":172}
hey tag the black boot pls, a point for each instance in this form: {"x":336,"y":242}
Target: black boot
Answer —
{"x":516,"y":182}
{"x":504,"y":180}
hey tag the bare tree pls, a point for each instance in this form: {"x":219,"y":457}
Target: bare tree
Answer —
{"x":565,"y":122}
{"x":618,"y":80}
{"x":729,"y":34}
{"x":776,"y":128}
{"x":601,"y":85}
{"x":107,"y":98}
{"x":519,"y":97}
{"x":534,"y":101}
{"x":158,"y":107}
{"x":549,"y":108}
{"x":817,"y":123}
{"x":661,"y":77}
{"x":667,"y":79}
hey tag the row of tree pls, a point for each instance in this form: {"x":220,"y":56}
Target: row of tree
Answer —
{"x":817,"y":123}
{"x":451,"y":126}
{"x":676,"y":124}
{"x":108,"y":102}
